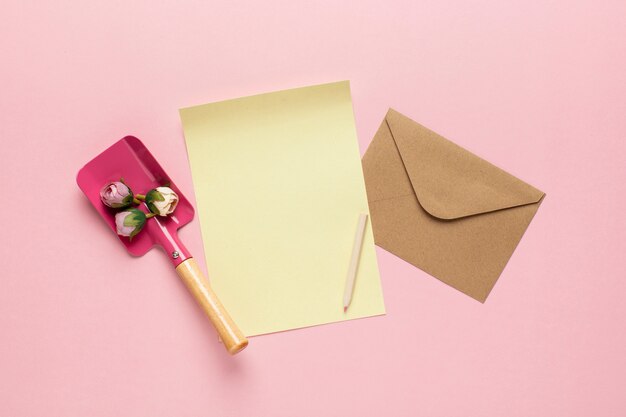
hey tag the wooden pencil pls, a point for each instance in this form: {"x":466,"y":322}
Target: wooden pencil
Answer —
{"x":354,"y":261}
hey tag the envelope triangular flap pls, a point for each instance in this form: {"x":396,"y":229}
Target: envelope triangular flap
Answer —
{"x":449,"y":181}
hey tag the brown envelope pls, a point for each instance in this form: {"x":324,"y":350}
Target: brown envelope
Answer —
{"x":442,"y":208}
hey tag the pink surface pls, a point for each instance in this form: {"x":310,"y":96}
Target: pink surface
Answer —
{"x":88,"y":330}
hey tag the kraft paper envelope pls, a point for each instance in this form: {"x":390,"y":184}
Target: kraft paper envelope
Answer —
{"x":279,"y":189}
{"x":442,"y":208}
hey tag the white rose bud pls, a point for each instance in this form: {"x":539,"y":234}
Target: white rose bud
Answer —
{"x":162,"y":201}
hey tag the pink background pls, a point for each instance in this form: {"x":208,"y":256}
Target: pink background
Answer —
{"x":86,"y":330}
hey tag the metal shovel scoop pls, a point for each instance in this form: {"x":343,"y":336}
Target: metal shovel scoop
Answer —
{"x":128,"y":158}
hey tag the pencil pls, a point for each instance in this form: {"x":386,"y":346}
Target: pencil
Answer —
{"x":354,"y":261}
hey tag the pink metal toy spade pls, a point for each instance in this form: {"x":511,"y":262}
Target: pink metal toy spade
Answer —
{"x":128,"y":158}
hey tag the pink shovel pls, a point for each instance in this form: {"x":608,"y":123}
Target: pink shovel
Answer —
{"x":128,"y":158}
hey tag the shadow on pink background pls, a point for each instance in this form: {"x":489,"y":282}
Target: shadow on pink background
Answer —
{"x":539,"y":90}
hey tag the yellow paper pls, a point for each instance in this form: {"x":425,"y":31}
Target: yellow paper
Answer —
{"x":279,"y":189}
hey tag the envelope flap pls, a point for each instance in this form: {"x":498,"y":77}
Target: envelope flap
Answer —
{"x":449,"y":181}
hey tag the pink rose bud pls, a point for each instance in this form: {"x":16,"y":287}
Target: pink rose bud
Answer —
{"x":116,"y":194}
{"x":162,"y":201}
{"x":130,"y":222}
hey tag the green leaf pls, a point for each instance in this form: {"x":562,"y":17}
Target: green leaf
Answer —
{"x":152,"y":208}
{"x":127,"y":201}
{"x":154,"y":195}
{"x":136,"y":218}
{"x":135,"y":232}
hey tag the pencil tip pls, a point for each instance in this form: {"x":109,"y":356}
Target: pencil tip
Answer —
{"x":345,"y":309}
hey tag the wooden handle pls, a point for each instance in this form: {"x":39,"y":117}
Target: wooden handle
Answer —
{"x":198,"y":285}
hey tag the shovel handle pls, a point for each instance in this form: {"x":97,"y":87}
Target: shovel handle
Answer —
{"x":198,"y":285}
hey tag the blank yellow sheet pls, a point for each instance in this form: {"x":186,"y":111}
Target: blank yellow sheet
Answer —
{"x":279,"y":189}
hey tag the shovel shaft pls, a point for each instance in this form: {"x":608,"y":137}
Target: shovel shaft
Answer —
{"x":162,"y":235}
{"x":198,"y":284}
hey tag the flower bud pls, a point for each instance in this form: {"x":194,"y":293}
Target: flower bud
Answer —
{"x":162,"y":201}
{"x":116,"y":194}
{"x":130,"y":222}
